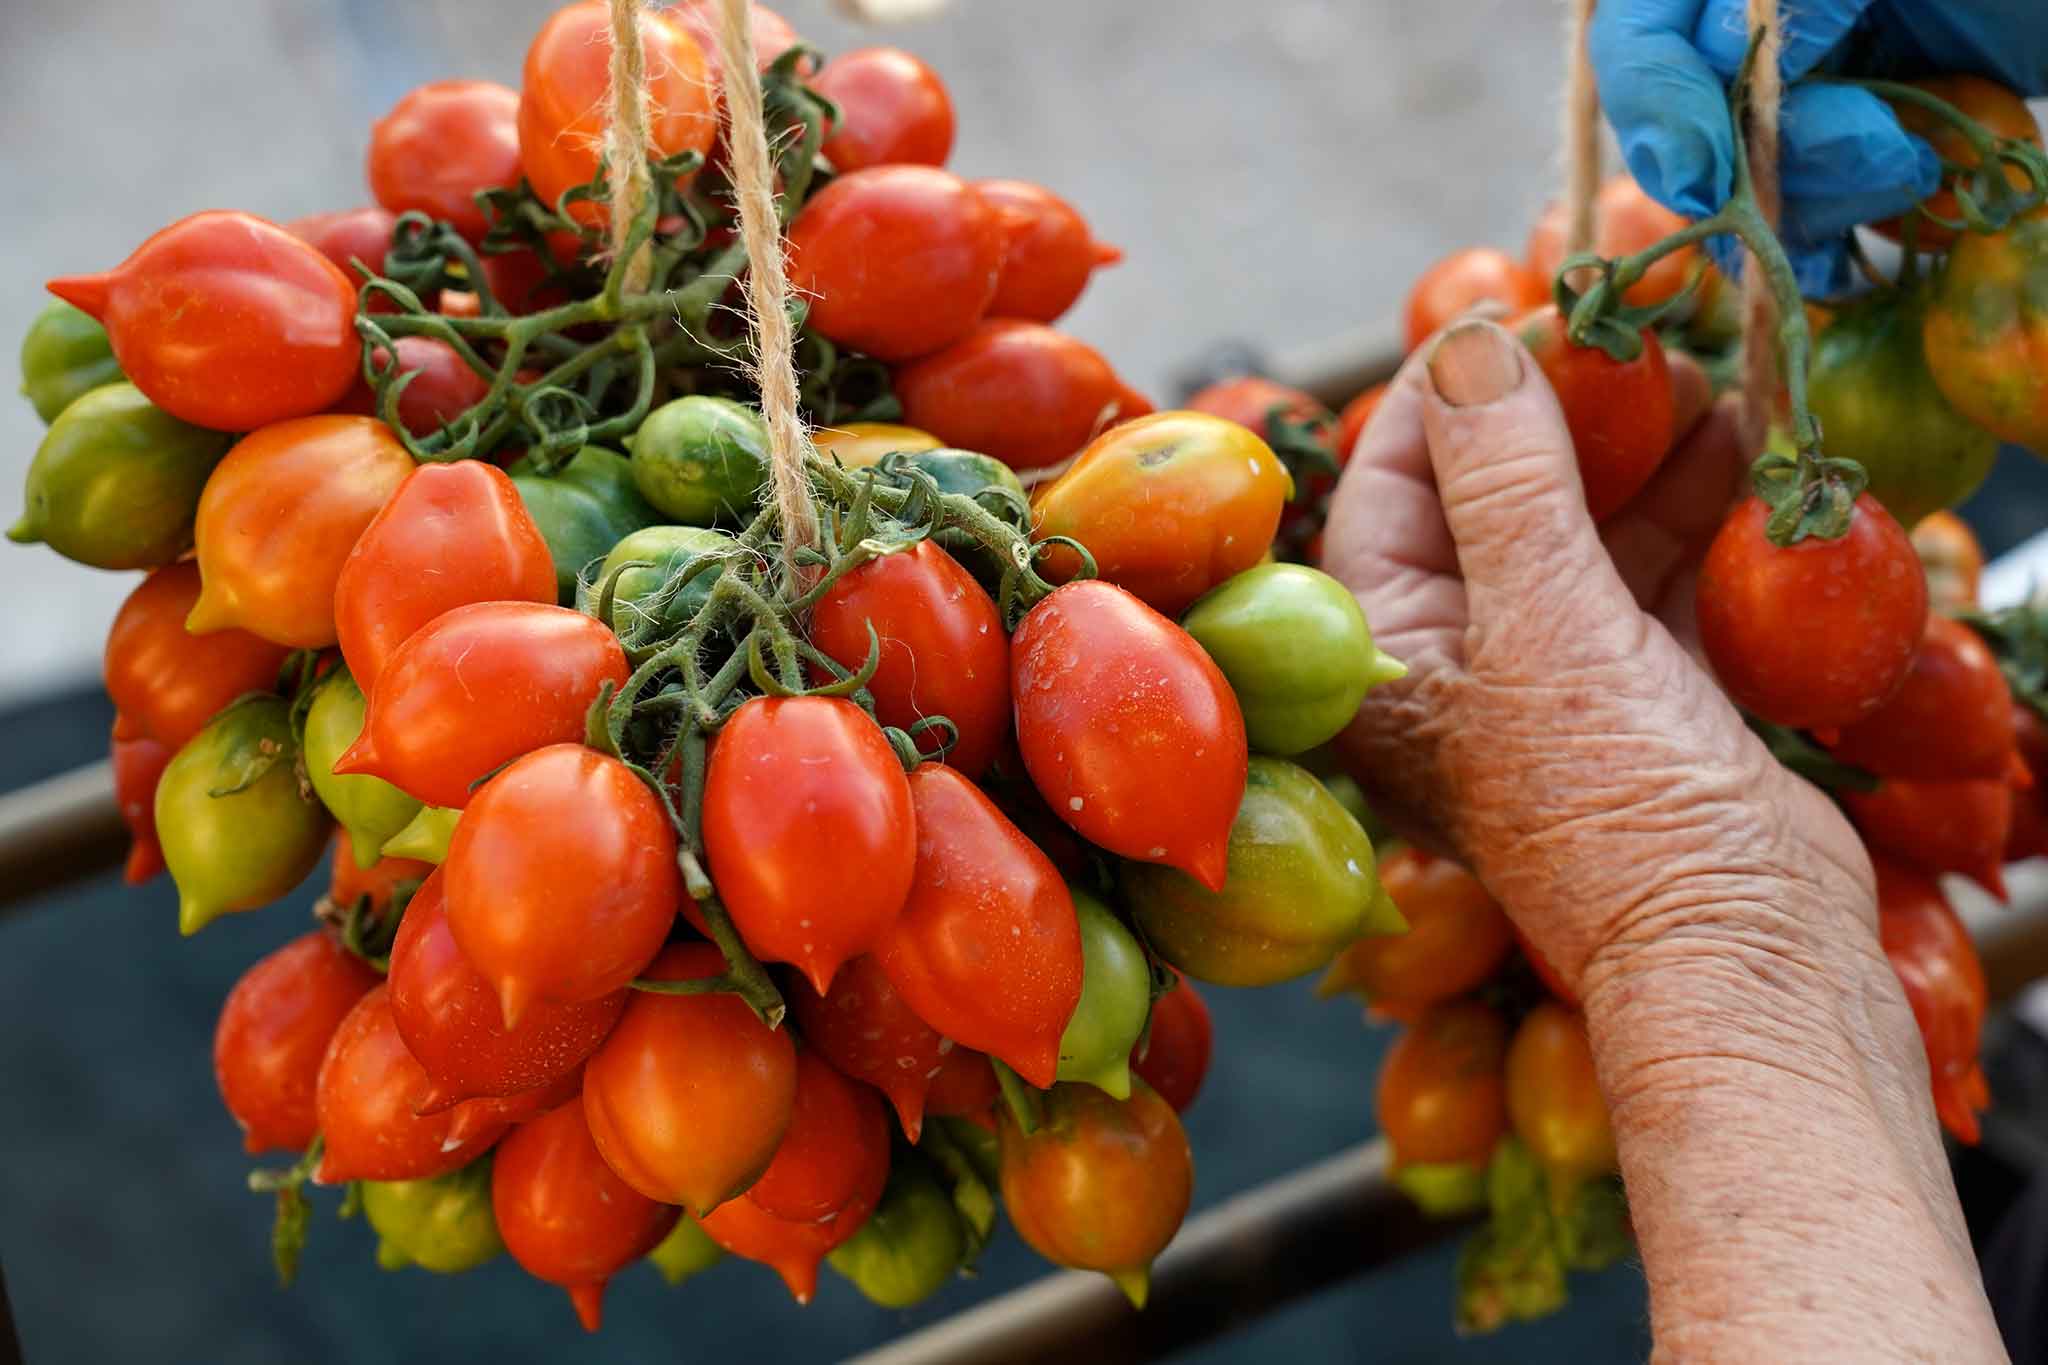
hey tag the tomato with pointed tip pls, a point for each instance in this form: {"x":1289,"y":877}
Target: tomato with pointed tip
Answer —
{"x":380,"y":881}
{"x":452,"y":534}
{"x":566,"y":1217}
{"x":1950,"y":719}
{"x":495,"y":1113}
{"x":442,"y":144}
{"x":943,"y":650}
{"x":691,"y":1095}
{"x":1938,"y":827}
{"x":987,"y":948}
{"x":273,"y":1033}
{"x":138,"y":763}
{"x":1815,"y":634}
{"x":477,"y":687}
{"x":227,"y":321}
{"x":364,"y":1101}
{"x":1128,"y":728}
{"x":866,"y":1029}
{"x":448,"y":1015}
{"x":1102,"y":1184}
{"x":793,"y":1250}
{"x":1953,"y":559}
{"x":2000,"y":110}
{"x":564,"y":95}
{"x":1621,"y":414}
{"x":809,"y":830}
{"x":1017,"y":390}
{"x":1212,"y":493}
{"x":1049,"y":254}
{"x":1173,"y":1058}
{"x":1116,"y":993}
{"x":893,"y":109}
{"x":1944,"y":982}
{"x":278,"y":519}
{"x":1553,"y":1098}
{"x":1457,"y":937}
{"x":167,"y":682}
{"x":897,"y":261}
{"x":561,"y":879}
{"x":1626,"y":220}
{"x":441,"y":389}
{"x":835,"y":1151}
{"x":1463,"y":280}
{"x":1442,"y":1092}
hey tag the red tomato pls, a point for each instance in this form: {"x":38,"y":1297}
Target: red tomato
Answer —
{"x":1476,"y":275}
{"x":1627,"y":221}
{"x":1944,"y":982}
{"x":987,"y":949}
{"x":535,"y":667}
{"x":791,"y":1249}
{"x":1016,"y":390}
{"x":1351,"y":421}
{"x":1250,"y":401}
{"x":892,"y":109}
{"x":440,"y":145}
{"x":772,"y":37}
{"x":561,"y":879}
{"x":691,"y":1095}
{"x":944,"y":650}
{"x":1816,"y":634}
{"x":896,"y":261}
{"x":565,"y":1217}
{"x":452,"y":535}
{"x":1939,"y":826}
{"x":497,"y":1113}
{"x":565,"y":95}
{"x":443,"y":386}
{"x":964,"y":1086}
{"x":1621,"y":417}
{"x":1048,"y":251}
{"x":1951,"y":718}
{"x":866,"y":1030}
{"x":1128,"y":729}
{"x":345,"y":236}
{"x":277,"y":518}
{"x":166,"y":682}
{"x":519,"y":280}
{"x":273,"y":1031}
{"x":808,"y":829}
{"x":835,"y":1152}
{"x":137,"y":764}
{"x":364,"y":1099}
{"x":1174,"y":1057}
{"x":1442,"y":1096}
{"x":1457,"y":937}
{"x":2028,"y":837}
{"x":226,"y":320}
{"x":448,"y":1016}
{"x":379,"y":881}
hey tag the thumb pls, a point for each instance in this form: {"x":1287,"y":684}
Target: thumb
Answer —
{"x":1508,"y":478}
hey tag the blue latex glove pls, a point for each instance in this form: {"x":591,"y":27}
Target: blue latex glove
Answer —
{"x":1663,"y":68}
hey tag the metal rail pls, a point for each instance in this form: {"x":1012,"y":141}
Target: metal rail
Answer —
{"x":59,"y":830}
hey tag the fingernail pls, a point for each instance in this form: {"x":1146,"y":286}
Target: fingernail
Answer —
{"x":1473,"y":364}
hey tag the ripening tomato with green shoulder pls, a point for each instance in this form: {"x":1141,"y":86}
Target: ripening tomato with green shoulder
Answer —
{"x":273,"y":1032}
{"x":440,"y":146}
{"x":227,"y":321}
{"x":700,"y":459}
{"x":1457,"y":938}
{"x":116,"y":482}
{"x":1986,"y":331}
{"x":866,"y":1029}
{"x":236,"y":830}
{"x":911,"y":1245}
{"x":1626,"y":221}
{"x":1553,"y":1098}
{"x":1173,"y":1058}
{"x":65,"y":354}
{"x":1937,"y":965}
{"x":1442,"y":1091}
{"x":278,"y":519}
{"x":443,"y":1224}
{"x":1464,"y":279}
{"x":1621,"y":413}
{"x":1169,"y":506}
{"x":138,"y":765}
{"x":1951,"y":718}
{"x":583,"y":509}
{"x":364,"y":1101}
{"x":1116,"y":993}
{"x":1296,"y":650}
{"x":565,"y":1215}
{"x":1302,"y":885}
{"x":369,"y":809}
{"x":167,"y":682}
{"x":641,"y":570}
{"x":1049,"y":254}
{"x":563,"y":98}
{"x":1953,"y":826}
{"x":1102,"y":1184}
{"x":2002,"y":111}
{"x":893,"y":110}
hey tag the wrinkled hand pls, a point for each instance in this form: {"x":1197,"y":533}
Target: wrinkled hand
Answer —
{"x":1663,"y":68}
{"x":1554,"y":731}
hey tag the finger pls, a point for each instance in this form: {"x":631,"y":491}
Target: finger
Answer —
{"x":1845,"y":160}
{"x":1668,"y":108}
{"x":1812,"y":29}
{"x":1668,"y":526}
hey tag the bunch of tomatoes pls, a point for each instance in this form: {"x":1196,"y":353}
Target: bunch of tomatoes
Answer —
{"x":699,"y":885}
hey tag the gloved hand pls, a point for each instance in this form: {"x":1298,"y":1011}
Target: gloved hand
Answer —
{"x":1663,"y":68}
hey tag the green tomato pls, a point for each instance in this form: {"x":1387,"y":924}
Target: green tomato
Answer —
{"x":1301,"y":885}
{"x":115,"y":483}
{"x":701,"y":459}
{"x":582,"y":510}
{"x":369,"y":808}
{"x":236,"y":831}
{"x":966,"y":472}
{"x":425,"y":837}
{"x":444,"y":1224}
{"x":670,"y":549}
{"x":1351,"y":797}
{"x":1296,"y":650}
{"x":687,"y":1250}
{"x":911,"y":1245}
{"x":1878,"y":405}
{"x":1116,"y":999}
{"x":66,"y":353}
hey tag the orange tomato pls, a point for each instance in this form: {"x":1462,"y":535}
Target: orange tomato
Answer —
{"x":1457,"y":937}
{"x":1626,"y":221}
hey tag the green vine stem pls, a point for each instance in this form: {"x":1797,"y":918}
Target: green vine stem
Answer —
{"x":1995,"y":201}
{"x":1024,"y":1103}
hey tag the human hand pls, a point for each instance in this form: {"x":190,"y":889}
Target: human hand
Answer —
{"x":1663,"y":68}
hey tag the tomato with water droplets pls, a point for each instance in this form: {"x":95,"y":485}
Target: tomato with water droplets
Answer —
{"x":364,"y":1100}
{"x":834,"y":1152}
{"x":793,"y":1250}
{"x":866,"y":1029}
{"x":273,"y":1033}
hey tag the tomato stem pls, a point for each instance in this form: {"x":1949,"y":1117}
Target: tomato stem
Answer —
{"x":1024,"y":1103}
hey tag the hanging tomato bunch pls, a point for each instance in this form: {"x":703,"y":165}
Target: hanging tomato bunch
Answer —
{"x":705,"y":878}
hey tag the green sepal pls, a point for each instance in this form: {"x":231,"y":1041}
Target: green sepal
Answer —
{"x":1815,"y":498}
{"x":1809,"y":760}
{"x":1512,"y":1269}
{"x":252,"y":753}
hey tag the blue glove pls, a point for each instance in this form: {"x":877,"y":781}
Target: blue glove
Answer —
{"x":1663,"y":68}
